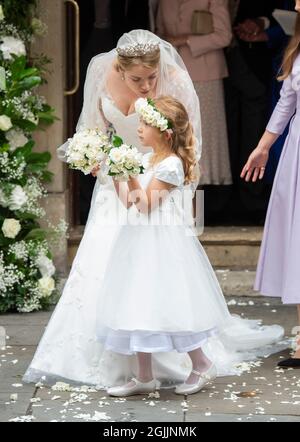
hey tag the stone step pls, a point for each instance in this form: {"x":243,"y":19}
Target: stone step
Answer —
{"x":234,"y":248}
{"x":237,"y":282}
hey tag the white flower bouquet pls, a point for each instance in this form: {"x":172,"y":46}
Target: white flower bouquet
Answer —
{"x":124,"y":161}
{"x":87,"y":149}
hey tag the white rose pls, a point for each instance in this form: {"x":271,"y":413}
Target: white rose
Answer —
{"x":2,"y":17}
{"x":46,"y":286}
{"x":115,"y":155}
{"x":75,"y":156}
{"x":11,"y":227}
{"x":129,"y":164}
{"x":12,"y":45}
{"x":16,"y":138}
{"x":114,"y":169}
{"x":45,"y":265}
{"x":5,"y":123}
{"x":17,"y":198}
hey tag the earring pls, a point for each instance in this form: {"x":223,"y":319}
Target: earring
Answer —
{"x":123,"y":77}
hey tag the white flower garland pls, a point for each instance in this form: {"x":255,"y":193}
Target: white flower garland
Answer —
{"x":146,"y":109}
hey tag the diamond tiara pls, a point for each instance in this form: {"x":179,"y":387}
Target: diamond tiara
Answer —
{"x":138,"y":49}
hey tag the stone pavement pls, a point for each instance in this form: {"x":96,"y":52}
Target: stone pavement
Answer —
{"x":264,"y":394}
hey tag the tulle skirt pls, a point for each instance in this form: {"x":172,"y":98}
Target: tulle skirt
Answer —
{"x":70,"y":349}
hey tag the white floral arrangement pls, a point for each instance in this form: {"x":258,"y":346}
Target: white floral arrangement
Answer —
{"x":30,"y":268}
{"x":10,"y":46}
{"x":28,"y":279}
{"x":86,"y":150}
{"x":124,"y":161}
{"x":147,"y":111}
{"x":90,"y":148}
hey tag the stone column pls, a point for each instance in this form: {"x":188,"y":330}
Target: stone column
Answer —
{"x":52,"y":12}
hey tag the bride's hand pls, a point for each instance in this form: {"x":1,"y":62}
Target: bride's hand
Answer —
{"x":255,"y":165}
{"x":96,"y":170}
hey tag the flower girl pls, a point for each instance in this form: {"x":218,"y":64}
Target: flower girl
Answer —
{"x":160,"y":292}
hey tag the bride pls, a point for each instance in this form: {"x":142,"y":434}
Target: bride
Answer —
{"x":142,"y":65}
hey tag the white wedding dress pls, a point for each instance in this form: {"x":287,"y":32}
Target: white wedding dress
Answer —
{"x":70,"y":349}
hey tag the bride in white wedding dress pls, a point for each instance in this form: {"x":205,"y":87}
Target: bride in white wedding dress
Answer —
{"x":142,"y":66}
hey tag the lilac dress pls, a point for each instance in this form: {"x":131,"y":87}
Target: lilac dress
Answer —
{"x":278,"y":271}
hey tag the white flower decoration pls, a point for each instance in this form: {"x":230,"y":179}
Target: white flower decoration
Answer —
{"x":12,"y":45}
{"x":5,"y":123}
{"x":16,"y":138}
{"x":45,"y":265}
{"x":150,"y":115}
{"x":17,"y":198}
{"x":46,"y":286}
{"x":11,"y":227}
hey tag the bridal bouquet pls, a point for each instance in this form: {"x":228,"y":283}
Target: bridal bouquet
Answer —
{"x":123,"y":161}
{"x":87,"y":149}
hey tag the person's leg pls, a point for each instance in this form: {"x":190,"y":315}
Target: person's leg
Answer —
{"x":142,"y":384}
{"x":145,"y":373}
{"x":200,"y":363}
{"x":203,"y":372}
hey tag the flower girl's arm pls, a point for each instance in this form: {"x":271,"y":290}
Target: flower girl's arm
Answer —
{"x":148,"y":199}
{"x":122,"y":192}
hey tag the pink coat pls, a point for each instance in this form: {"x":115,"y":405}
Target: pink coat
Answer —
{"x":204,"y":57}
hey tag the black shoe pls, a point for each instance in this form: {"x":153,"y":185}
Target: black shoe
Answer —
{"x":289,"y":363}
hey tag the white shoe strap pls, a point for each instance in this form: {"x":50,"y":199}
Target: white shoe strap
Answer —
{"x":196,"y":372}
{"x":201,"y":375}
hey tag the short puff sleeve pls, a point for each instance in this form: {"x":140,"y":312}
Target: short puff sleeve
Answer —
{"x":170,"y":170}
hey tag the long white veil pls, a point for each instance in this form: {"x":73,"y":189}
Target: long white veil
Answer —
{"x":173,"y":80}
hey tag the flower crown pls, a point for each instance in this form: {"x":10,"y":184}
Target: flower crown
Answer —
{"x":148,"y":112}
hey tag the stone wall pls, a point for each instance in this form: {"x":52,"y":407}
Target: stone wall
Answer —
{"x":52,"y":12}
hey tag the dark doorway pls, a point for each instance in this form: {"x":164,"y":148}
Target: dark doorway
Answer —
{"x":102,"y":23}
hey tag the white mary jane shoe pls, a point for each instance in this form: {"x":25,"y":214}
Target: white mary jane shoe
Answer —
{"x":204,"y":379}
{"x":138,"y":388}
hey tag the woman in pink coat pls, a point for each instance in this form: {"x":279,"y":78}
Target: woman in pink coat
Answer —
{"x":204,"y":58}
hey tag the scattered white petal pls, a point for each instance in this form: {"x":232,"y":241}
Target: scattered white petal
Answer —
{"x":27,"y":418}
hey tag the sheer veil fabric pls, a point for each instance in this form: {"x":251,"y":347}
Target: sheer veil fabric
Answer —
{"x":173,"y":80}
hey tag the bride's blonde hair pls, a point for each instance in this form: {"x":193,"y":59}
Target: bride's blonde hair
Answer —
{"x":182,"y":141}
{"x":150,"y":60}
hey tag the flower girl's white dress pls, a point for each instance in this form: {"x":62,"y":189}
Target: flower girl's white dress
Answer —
{"x":160,"y":292}
{"x":151,"y":289}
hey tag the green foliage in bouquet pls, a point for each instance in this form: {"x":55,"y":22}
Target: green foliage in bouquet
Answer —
{"x":27,"y":273}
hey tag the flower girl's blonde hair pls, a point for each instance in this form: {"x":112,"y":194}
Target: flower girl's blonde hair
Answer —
{"x":182,"y":140}
{"x":291,"y":52}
